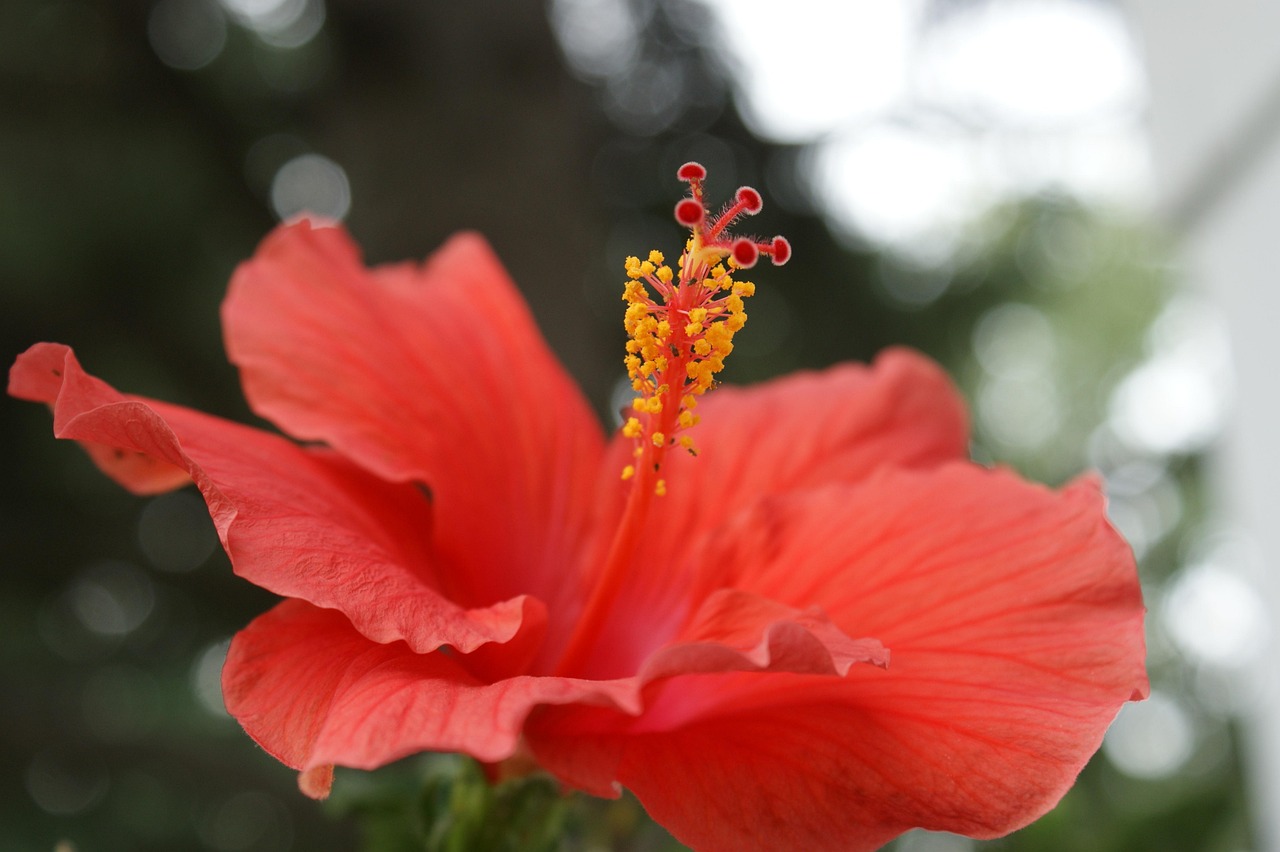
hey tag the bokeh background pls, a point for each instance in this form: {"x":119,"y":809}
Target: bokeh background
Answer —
{"x":987,"y":181}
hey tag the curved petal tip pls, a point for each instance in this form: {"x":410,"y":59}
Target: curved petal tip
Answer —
{"x":317,"y":781}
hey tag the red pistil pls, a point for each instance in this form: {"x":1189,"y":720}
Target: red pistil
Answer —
{"x":692,"y":213}
{"x":678,"y":343}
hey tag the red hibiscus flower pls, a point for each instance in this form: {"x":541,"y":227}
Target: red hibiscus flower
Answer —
{"x":703,"y":612}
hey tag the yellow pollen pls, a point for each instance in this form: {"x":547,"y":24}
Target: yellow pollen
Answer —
{"x":680,"y":322}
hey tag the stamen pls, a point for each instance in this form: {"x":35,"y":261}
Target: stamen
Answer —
{"x":681,"y":324}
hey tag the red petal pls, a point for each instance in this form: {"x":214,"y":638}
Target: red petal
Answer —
{"x":317,"y":781}
{"x":809,"y":429}
{"x":300,"y":523}
{"x":40,"y":375}
{"x":768,"y":635}
{"x":792,"y":434}
{"x":434,"y":374}
{"x":1014,"y":617}
{"x":945,"y":559}
{"x":313,"y":691}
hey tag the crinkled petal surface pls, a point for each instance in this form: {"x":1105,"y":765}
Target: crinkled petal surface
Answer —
{"x":314,"y":692}
{"x":435,"y":374}
{"x":299,"y":522}
{"x":1014,"y":621}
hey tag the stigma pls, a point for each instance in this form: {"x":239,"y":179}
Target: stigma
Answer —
{"x":681,"y":322}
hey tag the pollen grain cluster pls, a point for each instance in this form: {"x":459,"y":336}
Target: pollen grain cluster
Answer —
{"x":681,"y":322}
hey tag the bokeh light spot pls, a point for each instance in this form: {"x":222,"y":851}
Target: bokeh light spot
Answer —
{"x":112,"y":598}
{"x":1020,"y":411}
{"x":206,"y":677}
{"x":598,"y":37}
{"x":64,"y":782}
{"x":1021,"y":62}
{"x":1150,"y":739}
{"x":897,"y":185}
{"x":1216,"y":617}
{"x":1013,"y":340}
{"x":175,"y":533}
{"x":187,"y":34}
{"x":1176,"y":400}
{"x":820,"y":66}
{"x":279,"y":23}
{"x":312,"y":184}
{"x":913,"y":285}
{"x":250,"y":820}
{"x":1146,"y":503}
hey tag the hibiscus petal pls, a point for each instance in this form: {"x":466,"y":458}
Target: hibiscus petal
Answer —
{"x":40,"y":374}
{"x":802,"y":431}
{"x":434,"y":374}
{"x":301,"y":523}
{"x":797,"y":433}
{"x":1015,"y":621}
{"x":315,"y":692}
{"x":769,"y":636}
{"x":836,"y":425}
{"x":959,"y":560}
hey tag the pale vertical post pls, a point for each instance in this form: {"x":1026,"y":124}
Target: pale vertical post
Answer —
{"x":1214,"y":122}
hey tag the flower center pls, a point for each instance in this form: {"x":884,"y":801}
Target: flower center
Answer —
{"x":681,"y":325}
